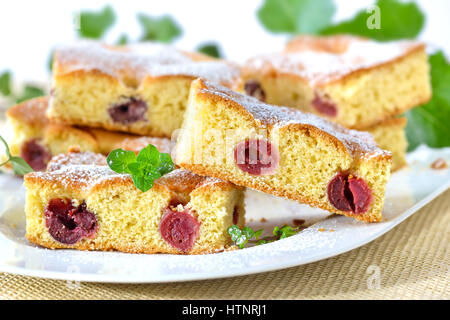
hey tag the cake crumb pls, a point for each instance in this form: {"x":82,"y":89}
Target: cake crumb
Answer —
{"x":439,"y":164}
{"x":298,"y":222}
{"x":263,"y":220}
{"x":331,"y":230}
{"x":321,"y":229}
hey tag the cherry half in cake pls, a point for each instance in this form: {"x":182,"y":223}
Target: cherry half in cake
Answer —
{"x":349,"y":193}
{"x":179,"y":228}
{"x":324,"y":106}
{"x":253,"y":88}
{"x":130,"y":111}
{"x":68,"y":224}
{"x":256,"y":157}
{"x":35,"y":154}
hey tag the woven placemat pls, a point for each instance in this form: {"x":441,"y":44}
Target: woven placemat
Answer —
{"x":410,"y":262}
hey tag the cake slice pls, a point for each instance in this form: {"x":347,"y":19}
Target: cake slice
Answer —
{"x":81,"y":204}
{"x":352,"y":81}
{"x":141,"y":88}
{"x":282,"y":151}
{"x":36,"y":139}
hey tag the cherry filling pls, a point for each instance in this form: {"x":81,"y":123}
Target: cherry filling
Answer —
{"x":35,"y":155}
{"x":256,"y":157}
{"x":350,"y":194}
{"x":68,"y":224}
{"x":128,"y":112}
{"x":323,"y":106}
{"x":253,"y":88}
{"x":179,"y":229}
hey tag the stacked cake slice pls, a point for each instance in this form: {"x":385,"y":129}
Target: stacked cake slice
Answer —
{"x":358,"y":83}
{"x":104,"y":98}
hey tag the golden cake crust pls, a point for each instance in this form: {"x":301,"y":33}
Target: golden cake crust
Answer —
{"x":356,"y":143}
{"x":32,"y":112}
{"x":133,"y":63}
{"x":88,"y":172}
{"x":316,"y":60}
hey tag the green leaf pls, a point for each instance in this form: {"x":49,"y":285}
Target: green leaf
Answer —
{"x":123,"y":40}
{"x":30,"y":92}
{"x":50,"y":61}
{"x":428,"y":124}
{"x":296,"y":16}
{"x":166,"y":164}
{"x":119,"y":160}
{"x":149,"y":156}
{"x":210,"y":49}
{"x":148,"y":166}
{"x":284,"y":232}
{"x":94,"y":24}
{"x":20,"y":166}
{"x":145,"y":182}
{"x":163,"y":29}
{"x":397,"y":20}
{"x":8,"y":153}
{"x":5,"y":83}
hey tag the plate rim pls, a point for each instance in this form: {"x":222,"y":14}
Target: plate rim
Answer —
{"x":188,"y":277}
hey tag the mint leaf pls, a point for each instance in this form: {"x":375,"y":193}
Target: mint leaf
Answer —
{"x":145,"y":182}
{"x":50,"y":61}
{"x":163,"y":29}
{"x":284,"y":232}
{"x":149,"y":156}
{"x":94,"y":24}
{"x":148,"y":166}
{"x":5,"y":83}
{"x":30,"y":92}
{"x":119,"y":160}
{"x":398,"y":20}
{"x":20,"y":166}
{"x":166,"y":164}
{"x":123,"y":40}
{"x":428,"y":124}
{"x":296,"y":16}
{"x":242,"y":237}
{"x":210,"y":49}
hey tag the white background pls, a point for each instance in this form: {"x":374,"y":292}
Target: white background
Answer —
{"x":28,"y":29}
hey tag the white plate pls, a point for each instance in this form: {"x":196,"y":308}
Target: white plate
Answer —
{"x":408,"y":190}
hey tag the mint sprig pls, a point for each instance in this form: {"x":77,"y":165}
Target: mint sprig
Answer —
{"x":144,"y":168}
{"x":242,"y":236}
{"x":20,"y":167}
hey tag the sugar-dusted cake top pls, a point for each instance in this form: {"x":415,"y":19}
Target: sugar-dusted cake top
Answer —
{"x":85,"y":171}
{"x":31,"y":111}
{"x":320,"y":60}
{"x":356,"y":142}
{"x":140,"y":60}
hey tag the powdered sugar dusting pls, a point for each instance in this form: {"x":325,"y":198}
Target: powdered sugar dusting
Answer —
{"x":85,"y":170}
{"x":140,"y":60}
{"x":276,"y":116}
{"x":321,"y":67}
